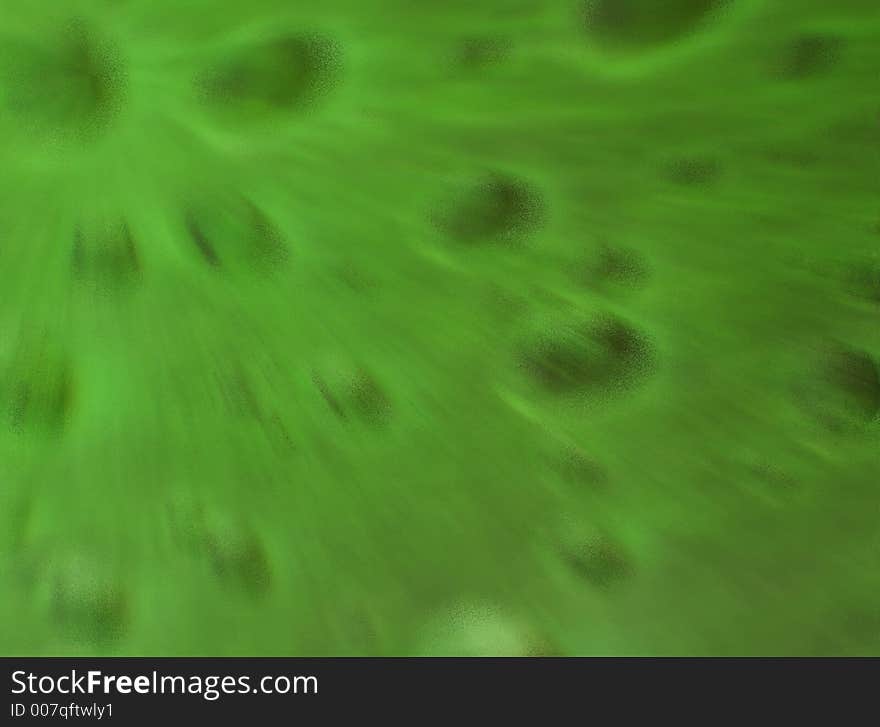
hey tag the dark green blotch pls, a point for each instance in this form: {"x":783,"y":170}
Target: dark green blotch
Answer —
{"x":498,"y":209}
{"x":601,"y":357}
{"x":89,"y":604}
{"x":693,"y":172}
{"x":863,"y":280}
{"x":37,"y":391}
{"x":613,"y":266}
{"x":235,"y":552}
{"x":809,"y":56}
{"x":107,"y":259}
{"x":235,"y":236}
{"x":282,"y":75}
{"x":599,"y":561}
{"x":639,"y":23}
{"x":355,"y":394}
{"x":480,"y":52}
{"x":579,"y":470}
{"x":854,"y":383}
{"x":238,"y":557}
{"x":74,"y":85}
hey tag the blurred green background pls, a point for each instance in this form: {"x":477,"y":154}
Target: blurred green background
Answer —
{"x":451,"y":327}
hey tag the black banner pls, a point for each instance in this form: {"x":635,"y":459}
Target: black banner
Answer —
{"x":266,"y":691}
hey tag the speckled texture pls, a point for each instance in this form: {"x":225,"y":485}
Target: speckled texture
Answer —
{"x":462,"y":327}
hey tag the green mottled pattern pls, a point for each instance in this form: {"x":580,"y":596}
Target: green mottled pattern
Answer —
{"x":440,"y":327}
